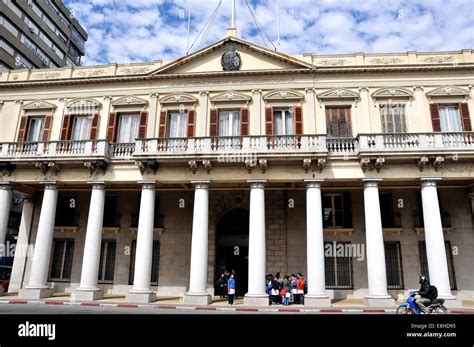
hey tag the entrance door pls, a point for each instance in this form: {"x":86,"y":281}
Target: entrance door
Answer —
{"x":232,"y":248}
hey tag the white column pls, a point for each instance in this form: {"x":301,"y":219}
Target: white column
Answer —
{"x":37,"y":287}
{"x":22,"y":246}
{"x":88,"y":289}
{"x":257,"y":255}
{"x":434,"y":238}
{"x":317,"y":295}
{"x":141,"y":291}
{"x":197,"y":293}
{"x":5,"y":202}
{"x":377,"y":274}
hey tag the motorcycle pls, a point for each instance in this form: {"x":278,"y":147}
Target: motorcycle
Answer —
{"x":410,"y":306}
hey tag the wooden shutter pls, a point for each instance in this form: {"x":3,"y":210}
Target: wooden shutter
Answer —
{"x":465,"y":119}
{"x":163,"y":120}
{"x":94,"y":126}
{"x":48,"y":123}
{"x":213,"y":128}
{"x":244,"y":121}
{"x":269,"y":121}
{"x":67,"y":126}
{"x":142,"y":125}
{"x":23,"y":128}
{"x":112,"y":127}
{"x":191,"y":120}
{"x":435,"y":117}
{"x":298,"y":113}
{"x":348,"y":120}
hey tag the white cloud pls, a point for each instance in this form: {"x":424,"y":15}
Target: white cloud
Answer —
{"x":144,"y":30}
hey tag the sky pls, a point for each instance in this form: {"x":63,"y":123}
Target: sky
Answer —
{"x":125,"y":31}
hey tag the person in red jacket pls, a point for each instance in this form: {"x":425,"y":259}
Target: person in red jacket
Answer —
{"x":299,"y":289}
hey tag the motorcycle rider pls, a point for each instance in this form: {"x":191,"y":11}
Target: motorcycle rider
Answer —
{"x":422,"y":296}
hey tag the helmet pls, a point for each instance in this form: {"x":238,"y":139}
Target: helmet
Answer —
{"x":422,"y":279}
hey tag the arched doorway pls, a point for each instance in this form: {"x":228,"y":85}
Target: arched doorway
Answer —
{"x":232,"y":247}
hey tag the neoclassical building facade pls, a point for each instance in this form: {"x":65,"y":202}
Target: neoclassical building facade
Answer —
{"x":148,"y":180}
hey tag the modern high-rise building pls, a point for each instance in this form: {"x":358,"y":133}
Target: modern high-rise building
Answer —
{"x":39,"y":34}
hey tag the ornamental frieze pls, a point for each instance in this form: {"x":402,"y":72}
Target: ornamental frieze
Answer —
{"x":385,"y":61}
{"x":439,"y":60}
{"x":134,"y":70}
{"x":90,"y":73}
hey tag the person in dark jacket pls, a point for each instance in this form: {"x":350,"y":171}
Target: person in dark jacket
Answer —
{"x":222,"y":284}
{"x":231,"y":289}
{"x":422,"y":296}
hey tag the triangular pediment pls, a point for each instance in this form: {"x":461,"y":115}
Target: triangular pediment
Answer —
{"x":232,"y":55}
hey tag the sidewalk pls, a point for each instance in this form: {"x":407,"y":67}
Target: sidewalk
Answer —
{"x":218,"y":304}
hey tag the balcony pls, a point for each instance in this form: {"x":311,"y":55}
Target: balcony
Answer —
{"x":416,"y":143}
{"x":80,"y":150}
{"x":404,"y":145}
{"x":209,"y":147}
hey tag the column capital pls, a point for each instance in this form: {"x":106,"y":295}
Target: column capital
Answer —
{"x":97,"y":184}
{"x":147,"y":184}
{"x":7,"y":185}
{"x":429,"y":181}
{"x":50,"y":184}
{"x":257,"y":183}
{"x":201,"y":184}
{"x":313,"y":182}
{"x":371,"y":182}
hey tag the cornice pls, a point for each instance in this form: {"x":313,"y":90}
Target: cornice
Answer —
{"x":232,"y":74}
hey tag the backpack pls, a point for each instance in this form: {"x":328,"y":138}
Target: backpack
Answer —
{"x":306,"y":287}
{"x":433,"y":292}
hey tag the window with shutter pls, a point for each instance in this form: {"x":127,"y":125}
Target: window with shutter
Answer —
{"x":81,"y":128}
{"x":449,"y":118}
{"x":35,"y":129}
{"x":338,"y":121}
{"x":229,"y":123}
{"x":392,"y":117}
{"x":128,"y":125}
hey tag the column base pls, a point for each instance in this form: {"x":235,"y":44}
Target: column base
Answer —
{"x":35,"y":293}
{"x":317,"y":301}
{"x":379,"y":301}
{"x":140,"y":297}
{"x":197,"y":299}
{"x":451,"y":302}
{"x":87,"y":295}
{"x":256,"y":300}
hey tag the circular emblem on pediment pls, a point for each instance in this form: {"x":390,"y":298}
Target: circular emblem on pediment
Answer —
{"x":231,"y":60}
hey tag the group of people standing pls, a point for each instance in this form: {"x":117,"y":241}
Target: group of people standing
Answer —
{"x":286,"y":290}
{"x":226,"y":286}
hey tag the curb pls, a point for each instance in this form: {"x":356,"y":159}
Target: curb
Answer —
{"x":212,"y":308}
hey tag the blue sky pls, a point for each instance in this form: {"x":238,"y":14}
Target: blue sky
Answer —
{"x":123,"y":31}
